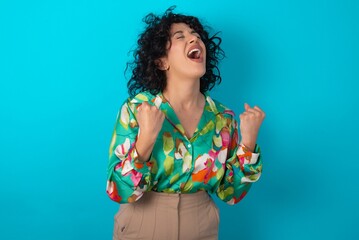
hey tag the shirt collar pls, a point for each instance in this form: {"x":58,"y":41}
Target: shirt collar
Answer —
{"x":211,"y":109}
{"x":209,"y":113}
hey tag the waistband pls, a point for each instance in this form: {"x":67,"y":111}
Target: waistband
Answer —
{"x":186,"y":199}
{"x":177,"y":195}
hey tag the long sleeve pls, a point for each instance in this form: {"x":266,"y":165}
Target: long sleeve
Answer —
{"x":211,"y":160}
{"x":127,"y":177}
{"x":243,"y":167}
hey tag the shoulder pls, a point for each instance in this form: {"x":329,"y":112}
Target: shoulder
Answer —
{"x":218,"y":107}
{"x":132,"y":103}
{"x":142,"y":97}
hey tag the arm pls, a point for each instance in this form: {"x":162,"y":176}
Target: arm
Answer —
{"x":243,"y":167}
{"x":128,"y":170}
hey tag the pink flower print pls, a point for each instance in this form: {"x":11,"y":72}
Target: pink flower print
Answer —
{"x":112,"y":191}
{"x":230,"y":112}
{"x":136,"y":177}
{"x":225,"y":137}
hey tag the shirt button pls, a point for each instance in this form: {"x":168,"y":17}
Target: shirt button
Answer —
{"x":189,"y":145}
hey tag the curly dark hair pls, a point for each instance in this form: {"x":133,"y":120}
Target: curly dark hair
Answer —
{"x":152,"y":46}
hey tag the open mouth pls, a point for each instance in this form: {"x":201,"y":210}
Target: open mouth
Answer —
{"x":194,"y":53}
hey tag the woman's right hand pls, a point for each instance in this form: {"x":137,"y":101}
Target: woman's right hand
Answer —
{"x":150,"y":120}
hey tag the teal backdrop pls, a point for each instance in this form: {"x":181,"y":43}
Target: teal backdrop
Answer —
{"x":62,"y":83}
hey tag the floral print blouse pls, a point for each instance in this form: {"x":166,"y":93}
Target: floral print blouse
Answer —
{"x":211,"y":160}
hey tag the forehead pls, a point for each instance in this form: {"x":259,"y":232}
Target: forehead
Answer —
{"x":175,"y":27}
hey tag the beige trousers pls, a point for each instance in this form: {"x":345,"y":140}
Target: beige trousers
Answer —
{"x":168,"y":216}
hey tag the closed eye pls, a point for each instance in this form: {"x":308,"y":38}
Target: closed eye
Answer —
{"x":196,"y":34}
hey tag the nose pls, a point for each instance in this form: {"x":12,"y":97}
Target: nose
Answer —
{"x":193,"y":39}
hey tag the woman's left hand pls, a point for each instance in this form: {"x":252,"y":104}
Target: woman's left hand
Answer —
{"x":250,"y":121}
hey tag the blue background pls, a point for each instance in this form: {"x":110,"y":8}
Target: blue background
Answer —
{"x":62,"y":82}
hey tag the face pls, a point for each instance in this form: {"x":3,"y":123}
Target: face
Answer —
{"x":186,"y":54}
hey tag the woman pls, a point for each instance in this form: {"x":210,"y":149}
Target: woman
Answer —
{"x":173,"y":144}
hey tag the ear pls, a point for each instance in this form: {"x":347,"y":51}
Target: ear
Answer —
{"x":162,"y":64}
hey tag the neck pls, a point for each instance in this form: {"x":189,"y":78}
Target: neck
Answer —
{"x":184,"y":94}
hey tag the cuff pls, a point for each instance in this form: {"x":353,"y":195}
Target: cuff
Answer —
{"x":133,"y":163}
{"x":246,"y":156}
{"x":137,"y":165}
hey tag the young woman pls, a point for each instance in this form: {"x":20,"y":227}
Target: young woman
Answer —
{"x":173,"y":144}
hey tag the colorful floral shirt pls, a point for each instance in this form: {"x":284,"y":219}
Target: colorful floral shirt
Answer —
{"x":211,"y":160}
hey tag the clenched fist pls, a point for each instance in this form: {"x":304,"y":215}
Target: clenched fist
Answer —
{"x":150,"y":120}
{"x":250,"y":121}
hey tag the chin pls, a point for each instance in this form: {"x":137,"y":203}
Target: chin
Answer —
{"x":195,"y":73}
{"x":197,"y":76}
{"x":200,"y":71}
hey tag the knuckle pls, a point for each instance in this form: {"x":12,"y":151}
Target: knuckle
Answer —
{"x":144,"y":106}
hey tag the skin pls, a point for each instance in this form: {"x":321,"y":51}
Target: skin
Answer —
{"x":150,"y":121}
{"x":183,"y":93}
